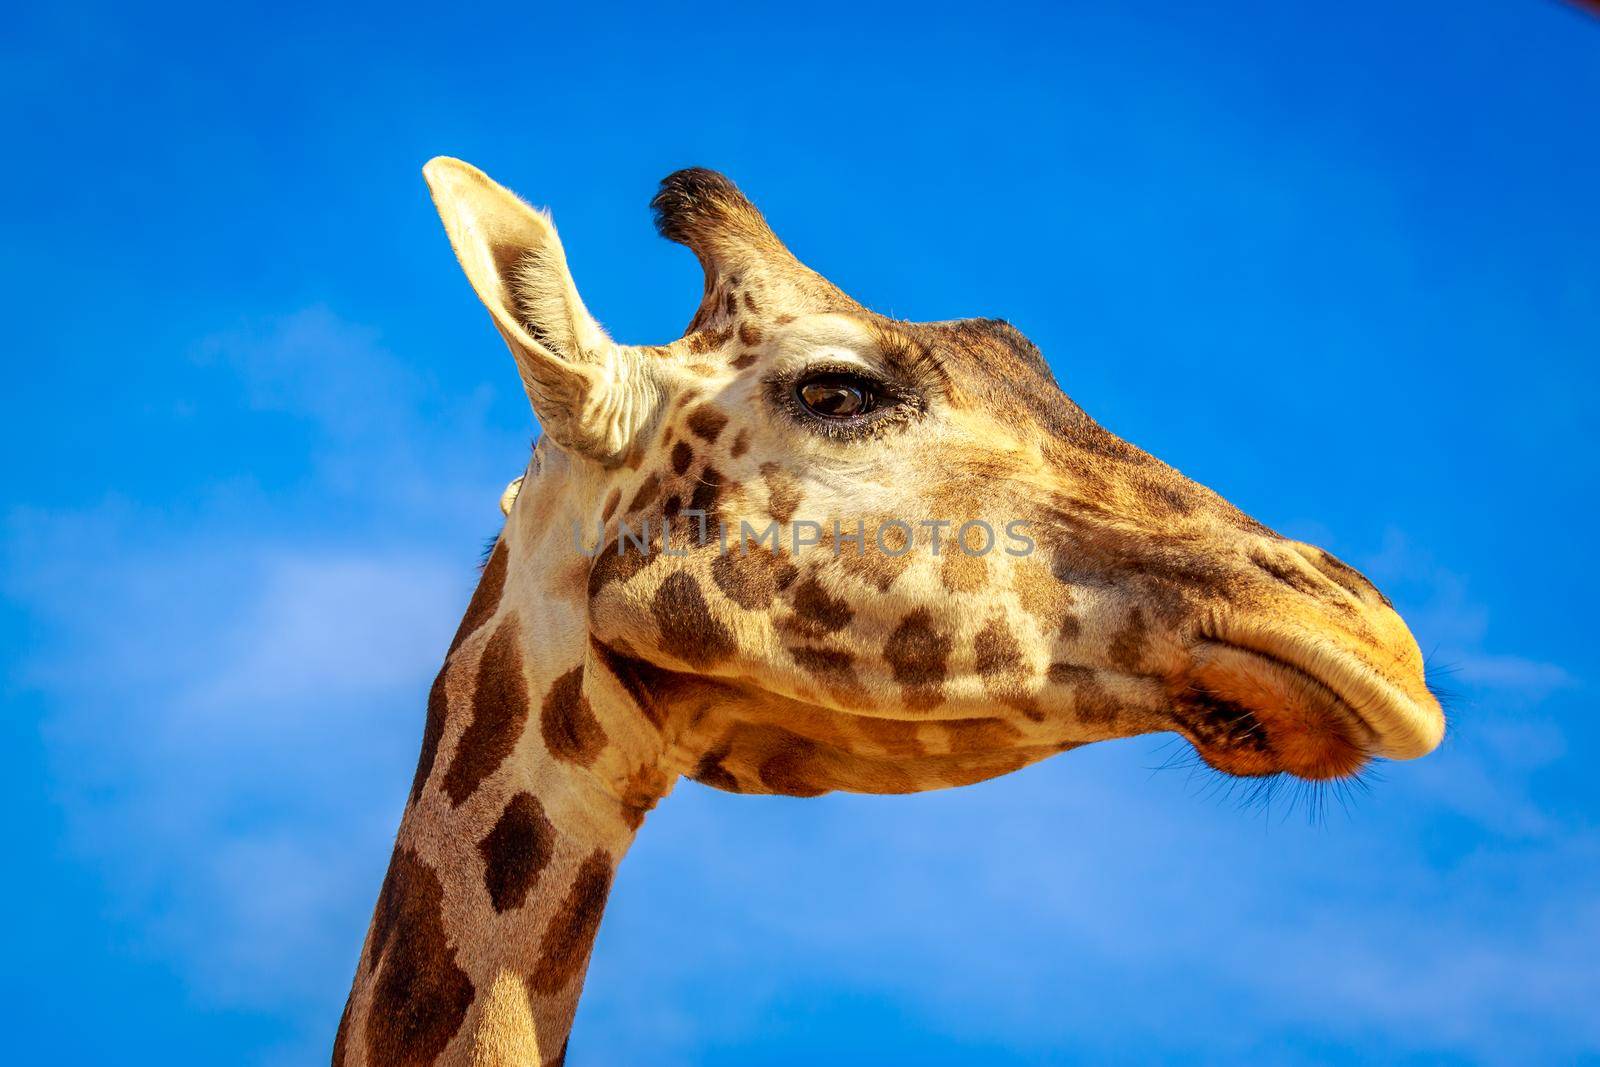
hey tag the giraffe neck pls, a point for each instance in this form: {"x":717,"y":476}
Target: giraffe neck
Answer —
{"x":538,"y":764}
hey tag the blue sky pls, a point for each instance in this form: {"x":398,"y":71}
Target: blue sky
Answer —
{"x":1336,"y":261}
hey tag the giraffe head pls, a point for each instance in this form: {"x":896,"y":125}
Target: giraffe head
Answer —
{"x":932,"y":566}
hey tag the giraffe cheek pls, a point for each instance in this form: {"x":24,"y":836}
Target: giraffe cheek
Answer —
{"x":685,"y":626}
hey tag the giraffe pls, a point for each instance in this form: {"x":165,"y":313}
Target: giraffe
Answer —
{"x":873,"y":643}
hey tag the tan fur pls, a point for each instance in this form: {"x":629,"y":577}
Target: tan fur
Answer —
{"x":580,"y":689}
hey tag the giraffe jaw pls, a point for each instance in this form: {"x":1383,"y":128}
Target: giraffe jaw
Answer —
{"x":1266,"y":701}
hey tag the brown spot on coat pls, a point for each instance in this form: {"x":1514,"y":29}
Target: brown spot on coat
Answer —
{"x":515,"y":851}
{"x":833,"y":664}
{"x":741,"y":443}
{"x":1093,"y":705}
{"x":710,"y":771}
{"x":706,"y":422}
{"x":749,"y":334}
{"x":641,"y":790}
{"x":612,"y":565}
{"x":743,"y":360}
{"x":571,"y":732}
{"x":897,"y":737}
{"x":979,"y":735}
{"x":703,"y":341}
{"x":1166,"y":498}
{"x":652,"y":689}
{"x":499,"y":711}
{"x":792,"y":769}
{"x":432,"y":733}
{"x":1126,"y":648}
{"x":613,"y":498}
{"x":753,"y":577}
{"x":1069,"y":674}
{"x":687,"y":628}
{"x":486,"y":597}
{"x":997,"y":657}
{"x":995,"y":650}
{"x":421,"y":996}
{"x":682,"y":456}
{"x":835,"y":669}
{"x":872,"y":565}
{"x":570,"y":936}
{"x":916,"y":653}
{"x":707,"y":492}
{"x":816,"y":613}
{"x":783,"y":492}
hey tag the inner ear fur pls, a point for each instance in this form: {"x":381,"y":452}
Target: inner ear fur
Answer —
{"x":590,"y":394}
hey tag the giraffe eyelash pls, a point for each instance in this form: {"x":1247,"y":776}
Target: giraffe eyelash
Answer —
{"x":488,"y":550}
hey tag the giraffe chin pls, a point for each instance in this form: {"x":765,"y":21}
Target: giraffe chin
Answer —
{"x":1253,"y":714}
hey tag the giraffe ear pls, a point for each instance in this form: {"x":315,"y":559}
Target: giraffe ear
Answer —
{"x":590,"y":394}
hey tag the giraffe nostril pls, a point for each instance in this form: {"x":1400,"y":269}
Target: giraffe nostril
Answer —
{"x":1290,"y":571}
{"x":1340,"y":573}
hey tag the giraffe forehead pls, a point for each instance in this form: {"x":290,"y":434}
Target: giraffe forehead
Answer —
{"x":991,"y":365}
{"x":850,"y":338}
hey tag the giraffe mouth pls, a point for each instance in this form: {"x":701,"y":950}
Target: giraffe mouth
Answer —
{"x":1264,"y":703}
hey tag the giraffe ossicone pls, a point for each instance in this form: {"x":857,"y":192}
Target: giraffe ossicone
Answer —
{"x":581,"y":686}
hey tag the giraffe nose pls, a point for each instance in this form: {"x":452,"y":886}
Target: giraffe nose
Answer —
{"x":1330,"y":647}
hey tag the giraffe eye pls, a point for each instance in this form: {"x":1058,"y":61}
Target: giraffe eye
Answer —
{"x":837,"y":396}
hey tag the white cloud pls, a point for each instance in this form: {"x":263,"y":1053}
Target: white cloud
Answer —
{"x":314,"y":365}
{"x":1531,"y":676}
{"x":226,"y":703}
{"x":332,"y":626}
{"x":237,"y":685}
{"x":1453,"y":627}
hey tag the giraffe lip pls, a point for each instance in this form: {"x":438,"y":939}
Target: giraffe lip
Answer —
{"x":1251,"y":713}
{"x":1391,"y":723}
